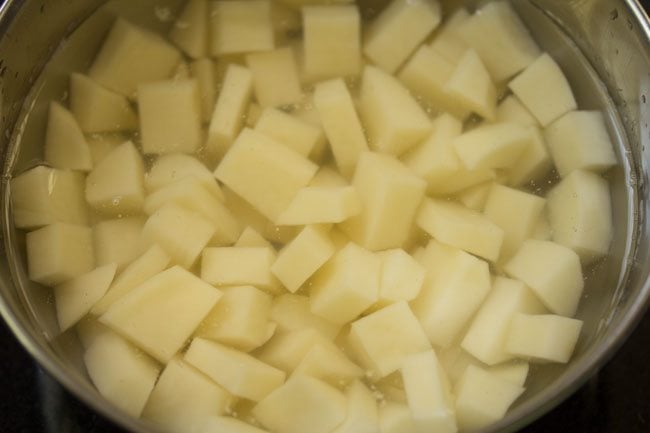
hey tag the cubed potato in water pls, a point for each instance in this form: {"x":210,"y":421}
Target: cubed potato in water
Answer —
{"x":328,"y":363}
{"x":498,"y":145}
{"x":118,"y":241}
{"x":219,"y":424}
{"x":534,"y":163}
{"x":190,"y":30}
{"x":287,"y":350}
{"x":249,"y":237}
{"x":401,"y":277}
{"x":202,"y":70}
{"x":289,"y":130}
{"x":228,"y":266}
{"x":168,"y":169}
{"x":65,"y":144}
{"x":396,"y":418}
{"x":322,"y":205}
{"x":471,"y":85}
{"x":362,"y":412}
{"x":446,"y":40}
{"x":275,"y":77}
{"x":291,"y":313}
{"x":240,"y":27}
{"x":512,"y":110}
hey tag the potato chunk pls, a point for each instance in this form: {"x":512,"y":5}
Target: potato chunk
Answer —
{"x":118,"y":241}
{"x":290,"y":130}
{"x":498,"y":145}
{"x":202,"y":70}
{"x":275,"y":77}
{"x":190,"y":30}
{"x":65,"y":145}
{"x":219,"y":424}
{"x":321,"y":205}
{"x":362,"y":413}
{"x":401,"y":277}
{"x":292,"y":313}
{"x":227,"y":266}
{"x":240,"y":27}
{"x":471,"y":85}
{"x":168,"y":169}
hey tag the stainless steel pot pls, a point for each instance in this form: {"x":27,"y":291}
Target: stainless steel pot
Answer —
{"x":602,"y":45}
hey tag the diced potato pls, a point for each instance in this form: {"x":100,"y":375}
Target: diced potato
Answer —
{"x":132,"y":56}
{"x":228,"y":115}
{"x":239,"y":373}
{"x":122,"y":374}
{"x":382,"y":340}
{"x":390,"y":389}
{"x":456,"y":225}
{"x":543,"y":338}
{"x":202,"y":70}
{"x":162,"y":313}
{"x":275,"y":77}
{"x":483,"y":398}
{"x":341,"y":124}
{"x":289,"y":130}
{"x":117,"y":241}
{"x":498,"y":145}
{"x":362,"y":413}
{"x":239,"y":319}
{"x":328,"y":176}
{"x":346,"y":285}
{"x":190,"y":30}
{"x":170,"y":116}
{"x":471,"y":85}
{"x":398,"y":30}
{"x":292,"y":313}
{"x":302,"y":405}
{"x":253,"y":114}
{"x":116,"y":184}
{"x":228,"y":266}
{"x":287,"y":350}
{"x":476,"y":196}
{"x":184,"y":399}
{"x":515,"y":371}
{"x":241,"y":26}
{"x":98,"y":109}
{"x":331,"y":41}
{"x":220,"y":424}
{"x":512,"y":110}
{"x":428,"y":394}
{"x":59,"y":252}
{"x":396,"y":418}
{"x":182,"y":72}
{"x":542,"y":230}
{"x":74,"y":298}
{"x":552,"y":271}
{"x":394,"y":120}
{"x":266,"y":174}
{"x":65,"y":144}
{"x":251,"y":238}
{"x":101,"y":145}
{"x":401,"y":277}
{"x":456,"y":285}
{"x":446,"y":41}
{"x":390,"y":195}
{"x":461,"y":180}
{"x":319,"y":205}
{"x":455,"y":360}
{"x":579,"y":140}
{"x":88,"y":329}
{"x":580,"y":213}
{"x":499,"y":36}
{"x":43,"y":195}
{"x":168,"y":169}
{"x":328,"y":363}
{"x":550,"y":101}
{"x":534,"y":163}
{"x":486,"y":336}
{"x":182,"y":233}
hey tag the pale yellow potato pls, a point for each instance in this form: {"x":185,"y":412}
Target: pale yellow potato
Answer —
{"x":329,"y":364}
{"x":171,"y":168}
{"x":190,"y":30}
{"x":290,"y":130}
{"x":362,"y":413}
{"x":249,"y":237}
{"x":235,"y":266}
{"x":287,"y":350}
{"x":471,"y":85}
{"x":275,"y":77}
{"x":219,"y":424}
{"x":534,"y":163}
{"x":401,"y":277}
{"x":291,"y":313}
{"x":446,"y":40}
{"x":240,"y":27}
{"x":118,"y":241}
{"x":65,"y":144}
{"x":202,"y":70}
{"x":322,"y":205}
{"x":396,"y":418}
{"x":498,"y":145}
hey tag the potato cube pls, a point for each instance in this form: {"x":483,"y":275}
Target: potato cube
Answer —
{"x":328,"y":176}
{"x":398,"y":30}
{"x":101,"y":145}
{"x":382,"y":340}
{"x":501,"y":40}
{"x":483,"y":398}
{"x":287,"y":350}
{"x":515,"y":371}
{"x":168,"y":169}
{"x":362,"y":412}
{"x":65,"y":144}
{"x":190,"y":30}
{"x":401,"y":277}
{"x":428,"y":394}
{"x":98,"y":109}
{"x":552,"y":271}
{"x":240,"y":27}
{"x":486,"y":336}
{"x":302,"y":257}
{"x":580,"y":213}
{"x":461,"y":180}
{"x":455,"y":360}
{"x":202,"y":70}
{"x":291,"y":131}
{"x":118,"y":241}
{"x":512,"y":110}
{"x":447,"y":41}
{"x":183,"y":399}
{"x":236,"y":266}
{"x":239,"y":373}
{"x":302,"y":405}
{"x":275,"y":77}
{"x":328,"y":363}
{"x":266,"y":174}
{"x":341,"y":124}
{"x":122,"y":374}
{"x":346,"y":285}
{"x":550,"y":101}
{"x":471,"y":85}
{"x":534,"y":163}
{"x":331,"y":41}
{"x":59,"y":252}
{"x":132,"y":56}
{"x":228,"y":115}
{"x":116,"y":184}
{"x":43,"y":195}
{"x":239,"y":319}
{"x":579,"y":140}
{"x":499,"y":145}
{"x":476,"y":196}
{"x":543,"y":337}
{"x":170,"y":116}
{"x":182,"y":233}
{"x":456,"y":285}
{"x":251,"y":238}
{"x":219,"y":424}
{"x":292,"y":313}
{"x":319,"y":205}
{"x":394,"y":120}
{"x":396,"y":418}
{"x":390,"y":195}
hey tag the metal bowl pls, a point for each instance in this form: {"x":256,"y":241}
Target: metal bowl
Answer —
{"x":602,"y":45}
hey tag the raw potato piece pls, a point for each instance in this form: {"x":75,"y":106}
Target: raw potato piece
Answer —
{"x":275,"y":77}
{"x":116,"y":184}
{"x":319,"y":205}
{"x":292,"y":313}
{"x":170,"y":116}
{"x":475,"y":196}
{"x":241,"y":26}
{"x":65,"y":145}
{"x":471,"y":85}
{"x":122,"y":374}
{"x":118,"y":241}
{"x":230,"y":266}
{"x":579,"y":140}
{"x":549,"y":101}
{"x":287,"y":351}
{"x":534,"y":163}
{"x":398,"y":30}
{"x":512,"y":110}
{"x":396,"y":418}
{"x":329,"y":364}
{"x":552,"y":271}
{"x":160,"y":314}
{"x":171,"y":168}
{"x":132,"y":56}
{"x":98,"y":109}
{"x":239,"y":373}
{"x":190,"y":30}
{"x":302,"y":405}
{"x":498,"y":145}
{"x":220,"y":424}
{"x":250,"y":238}
{"x":202,"y":70}
{"x":266,"y":174}
{"x":579,"y":210}
{"x":59,"y":252}
{"x":43,"y":195}
{"x":291,"y":131}
{"x":390,"y":195}
{"x":331,"y":41}
{"x":102,"y":144}
{"x":543,"y":338}
{"x":515,"y":371}
{"x":183,"y":399}
{"x":362,"y":412}
{"x":74,"y":298}
{"x":401,"y":277}
{"x":447,"y":42}
{"x":394,"y":120}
